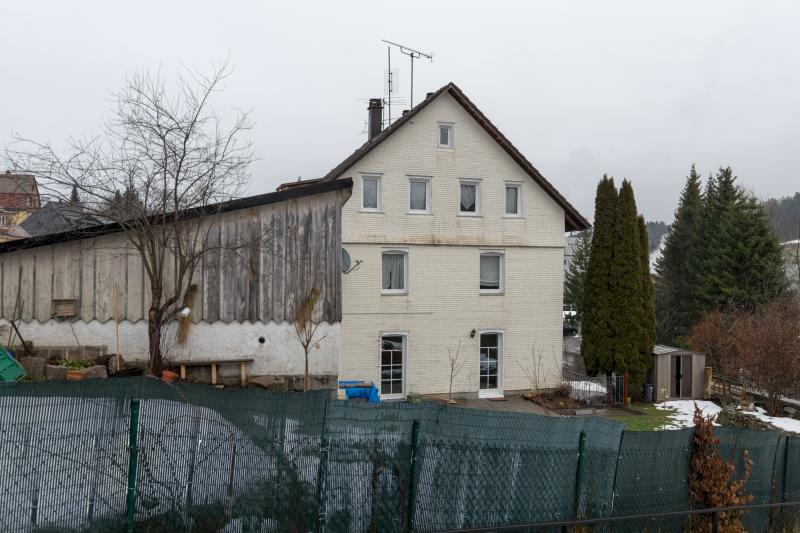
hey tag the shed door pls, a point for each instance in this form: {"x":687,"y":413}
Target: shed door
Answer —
{"x":686,"y":376}
{"x":675,"y":376}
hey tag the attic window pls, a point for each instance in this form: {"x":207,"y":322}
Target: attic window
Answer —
{"x":445,"y":135}
{"x":64,"y":308}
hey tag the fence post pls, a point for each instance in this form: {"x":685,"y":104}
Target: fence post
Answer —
{"x":133,"y":455}
{"x":323,"y":469}
{"x":576,"y":513}
{"x":714,"y":522}
{"x":413,"y":475}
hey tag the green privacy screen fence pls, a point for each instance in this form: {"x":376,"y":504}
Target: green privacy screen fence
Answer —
{"x":143,"y":455}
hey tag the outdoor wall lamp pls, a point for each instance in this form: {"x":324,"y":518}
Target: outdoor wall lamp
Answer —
{"x":472,"y":334}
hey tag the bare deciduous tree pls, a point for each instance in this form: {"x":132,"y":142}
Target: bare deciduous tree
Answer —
{"x":456,"y":365}
{"x":160,"y":170}
{"x":305,"y":329}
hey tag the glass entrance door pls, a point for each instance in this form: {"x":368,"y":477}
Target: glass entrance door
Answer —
{"x":491,"y":350}
{"x":393,"y":349}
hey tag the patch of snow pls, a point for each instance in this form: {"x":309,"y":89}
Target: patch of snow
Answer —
{"x":655,"y":254}
{"x":782,"y":422}
{"x":683,"y":416}
{"x":580,"y":390}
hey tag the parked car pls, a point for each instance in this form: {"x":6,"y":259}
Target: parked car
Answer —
{"x":570,"y":330}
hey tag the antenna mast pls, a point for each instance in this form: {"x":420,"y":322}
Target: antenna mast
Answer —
{"x":413,"y":54}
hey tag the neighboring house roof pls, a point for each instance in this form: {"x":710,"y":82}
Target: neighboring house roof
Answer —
{"x":57,"y":218}
{"x":224,"y":207}
{"x":17,"y":184}
{"x":573,"y":220}
{"x":294,"y":184}
{"x":661,"y":349}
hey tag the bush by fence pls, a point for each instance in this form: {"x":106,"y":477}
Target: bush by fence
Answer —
{"x":247,"y":460}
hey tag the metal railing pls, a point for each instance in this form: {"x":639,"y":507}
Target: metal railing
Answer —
{"x":567,"y":526}
{"x":597,"y":391}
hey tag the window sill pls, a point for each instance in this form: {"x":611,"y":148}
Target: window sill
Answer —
{"x":394,"y":293}
{"x":485,"y":292}
{"x":374,"y":211}
{"x":419,"y":213}
{"x":445,"y":148}
{"x":470,"y":215}
{"x":517,"y":217}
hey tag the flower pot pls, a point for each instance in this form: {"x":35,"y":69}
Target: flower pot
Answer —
{"x":75,"y":375}
{"x":168,"y":375}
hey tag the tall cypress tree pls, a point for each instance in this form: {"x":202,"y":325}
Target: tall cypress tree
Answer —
{"x":575,"y":278}
{"x":626,"y":287}
{"x":648,"y":318}
{"x":676,"y":307}
{"x":598,"y":304}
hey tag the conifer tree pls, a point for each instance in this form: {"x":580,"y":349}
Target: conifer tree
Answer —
{"x":740,"y":262}
{"x":648,"y":317}
{"x":598,"y":304}
{"x":676,"y":307}
{"x":626,"y":288}
{"x":74,"y":197}
{"x":575,"y":278}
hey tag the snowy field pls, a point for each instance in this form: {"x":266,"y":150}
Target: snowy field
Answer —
{"x":683,"y":414}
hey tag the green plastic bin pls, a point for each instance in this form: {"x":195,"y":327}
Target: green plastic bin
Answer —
{"x":10,"y":369}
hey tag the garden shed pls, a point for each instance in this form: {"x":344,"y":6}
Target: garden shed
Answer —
{"x":677,"y":373}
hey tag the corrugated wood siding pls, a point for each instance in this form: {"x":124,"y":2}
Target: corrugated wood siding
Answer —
{"x":267,"y":280}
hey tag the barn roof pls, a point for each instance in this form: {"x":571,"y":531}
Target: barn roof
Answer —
{"x":224,"y":207}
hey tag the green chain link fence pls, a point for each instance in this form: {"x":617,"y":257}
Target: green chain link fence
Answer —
{"x":74,"y":457}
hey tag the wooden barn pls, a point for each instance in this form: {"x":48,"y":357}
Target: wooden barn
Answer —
{"x":88,"y":288}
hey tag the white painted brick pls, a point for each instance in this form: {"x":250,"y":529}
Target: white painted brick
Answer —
{"x":443,"y":303}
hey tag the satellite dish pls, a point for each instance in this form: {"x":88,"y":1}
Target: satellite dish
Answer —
{"x":346,"y":263}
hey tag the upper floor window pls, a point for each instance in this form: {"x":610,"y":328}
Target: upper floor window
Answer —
{"x":394,"y":272}
{"x":492,"y":275}
{"x":419,"y":194}
{"x":371,"y":193}
{"x":2,"y":220}
{"x":445,"y":135}
{"x":29,"y":200}
{"x":513,"y":199}
{"x":469,"y":197}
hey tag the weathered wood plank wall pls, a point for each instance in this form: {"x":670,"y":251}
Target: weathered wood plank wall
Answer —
{"x":266,"y":281}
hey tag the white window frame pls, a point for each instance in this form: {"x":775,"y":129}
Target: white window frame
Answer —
{"x":498,"y":392}
{"x":2,"y":220}
{"x":451,"y":127}
{"x":477,"y":184}
{"x":404,"y":290}
{"x":515,"y":185}
{"x":502,"y":255}
{"x":404,"y":334}
{"x":379,"y":203}
{"x":427,"y":181}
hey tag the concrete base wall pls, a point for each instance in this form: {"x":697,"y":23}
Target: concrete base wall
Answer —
{"x":279,"y":354}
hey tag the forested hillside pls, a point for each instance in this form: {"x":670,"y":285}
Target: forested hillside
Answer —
{"x":784,"y":215}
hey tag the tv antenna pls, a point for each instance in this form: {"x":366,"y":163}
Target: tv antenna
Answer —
{"x":411,"y":53}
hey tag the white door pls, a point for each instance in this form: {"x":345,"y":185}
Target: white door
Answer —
{"x":393,"y":366}
{"x":491,"y":356}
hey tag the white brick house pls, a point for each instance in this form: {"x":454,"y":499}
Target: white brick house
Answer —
{"x":437,"y":270}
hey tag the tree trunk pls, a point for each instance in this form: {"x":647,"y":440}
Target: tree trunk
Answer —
{"x":154,"y":324}
{"x":306,"y":385}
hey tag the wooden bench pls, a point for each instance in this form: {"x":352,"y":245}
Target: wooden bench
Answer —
{"x":213,"y":363}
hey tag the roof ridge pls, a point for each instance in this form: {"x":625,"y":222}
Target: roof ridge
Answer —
{"x":573,"y":219}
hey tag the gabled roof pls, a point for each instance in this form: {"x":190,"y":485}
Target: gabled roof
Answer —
{"x":573,"y":220}
{"x":17,"y":183}
{"x":57,"y":217}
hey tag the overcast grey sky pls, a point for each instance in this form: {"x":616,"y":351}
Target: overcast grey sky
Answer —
{"x":632,"y":89}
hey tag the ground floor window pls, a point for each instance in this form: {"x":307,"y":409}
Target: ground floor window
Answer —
{"x":490,"y":353}
{"x":393,"y":349}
